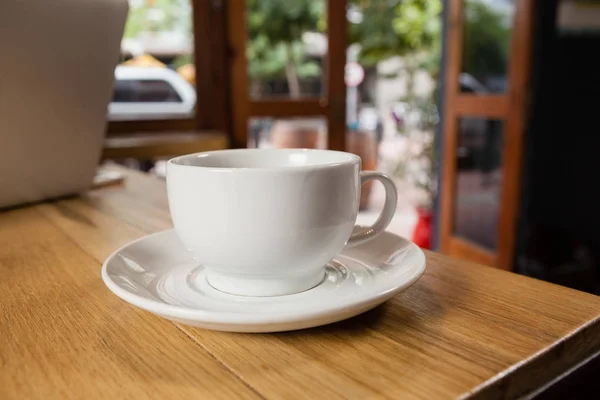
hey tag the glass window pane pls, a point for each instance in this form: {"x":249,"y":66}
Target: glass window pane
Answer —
{"x":286,"y":48}
{"x":478,"y":181}
{"x":309,"y":133}
{"x":486,"y":40}
{"x":156,"y":77}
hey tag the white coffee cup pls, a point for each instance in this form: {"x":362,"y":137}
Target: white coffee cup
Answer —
{"x":265,"y":222}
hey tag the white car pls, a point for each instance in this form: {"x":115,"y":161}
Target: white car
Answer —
{"x":150,"y":93}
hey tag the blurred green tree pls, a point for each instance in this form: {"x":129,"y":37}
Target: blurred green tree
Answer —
{"x":275,"y":47}
{"x":158,"y":16}
{"x":389,"y":28}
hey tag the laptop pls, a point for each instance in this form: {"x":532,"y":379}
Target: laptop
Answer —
{"x":56,"y":76}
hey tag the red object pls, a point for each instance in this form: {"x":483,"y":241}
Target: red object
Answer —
{"x":423,"y":229}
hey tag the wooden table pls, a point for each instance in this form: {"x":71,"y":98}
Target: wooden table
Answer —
{"x":462,"y":330}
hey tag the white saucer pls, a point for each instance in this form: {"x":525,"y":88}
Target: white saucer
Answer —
{"x":157,"y":274}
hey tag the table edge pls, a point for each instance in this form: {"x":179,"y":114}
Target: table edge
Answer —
{"x":567,"y":352}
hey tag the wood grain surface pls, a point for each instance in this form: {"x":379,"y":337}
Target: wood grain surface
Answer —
{"x":462,"y":331}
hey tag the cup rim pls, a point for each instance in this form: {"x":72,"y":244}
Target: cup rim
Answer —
{"x":351,"y":159}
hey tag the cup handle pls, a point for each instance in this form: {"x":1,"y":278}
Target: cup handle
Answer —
{"x":389,"y":208}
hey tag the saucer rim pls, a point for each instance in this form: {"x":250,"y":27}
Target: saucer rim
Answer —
{"x":232,"y":318}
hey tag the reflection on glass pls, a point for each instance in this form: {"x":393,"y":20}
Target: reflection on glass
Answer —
{"x":479,"y":180}
{"x":157,"y":76}
{"x":304,"y":133}
{"x":486,"y":39}
{"x":286,"y":47}
{"x":144,"y":91}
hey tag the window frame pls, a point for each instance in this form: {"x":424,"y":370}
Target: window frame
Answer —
{"x":509,"y":107}
{"x":331,"y":105}
{"x":212,"y":111}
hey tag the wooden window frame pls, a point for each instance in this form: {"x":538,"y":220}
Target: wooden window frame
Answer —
{"x":212,"y":113}
{"x":331,"y":104}
{"x":510,"y":108}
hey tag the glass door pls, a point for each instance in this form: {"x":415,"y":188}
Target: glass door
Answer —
{"x":486,"y":81}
